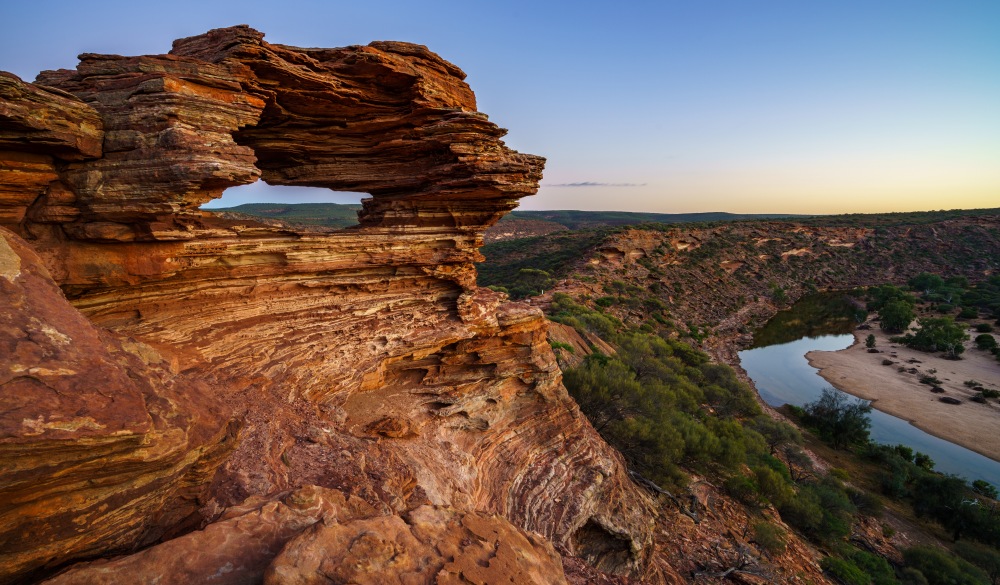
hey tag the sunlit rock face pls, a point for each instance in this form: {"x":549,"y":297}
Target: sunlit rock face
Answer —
{"x":163,"y":365}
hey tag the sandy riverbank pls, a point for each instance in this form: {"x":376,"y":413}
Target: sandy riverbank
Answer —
{"x":969,"y":424}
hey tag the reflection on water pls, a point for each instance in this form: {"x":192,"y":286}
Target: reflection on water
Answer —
{"x":783,"y":376}
{"x":811,"y":316}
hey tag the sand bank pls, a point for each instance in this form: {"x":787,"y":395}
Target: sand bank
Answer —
{"x":899,"y":393}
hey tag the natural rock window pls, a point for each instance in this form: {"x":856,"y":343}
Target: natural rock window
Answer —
{"x":278,"y":204}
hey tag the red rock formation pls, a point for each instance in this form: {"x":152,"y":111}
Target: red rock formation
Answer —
{"x":364,"y":360}
{"x":316,"y":535}
{"x":41,"y":127}
{"x":102,"y":445}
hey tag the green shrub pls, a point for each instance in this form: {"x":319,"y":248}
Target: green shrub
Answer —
{"x":769,"y":537}
{"x":937,"y":334}
{"x":984,"y":557}
{"x":866,"y":503}
{"x":938,"y":566}
{"x":604,"y":301}
{"x":839,"y":421}
{"x":845,"y":571}
{"x":984,"y":488}
{"x":986,"y":342}
{"x":911,"y":576}
{"x":875,"y":567}
{"x":649,"y":399}
{"x":744,"y":489}
{"x":560,"y":345}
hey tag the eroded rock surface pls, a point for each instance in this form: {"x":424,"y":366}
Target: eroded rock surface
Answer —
{"x":221,"y":363}
{"x":102,"y":446}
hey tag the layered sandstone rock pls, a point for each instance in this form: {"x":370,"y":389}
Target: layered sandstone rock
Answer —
{"x":364,"y":360}
{"x":103,"y":447}
{"x":317,"y":535}
{"x":40,"y":128}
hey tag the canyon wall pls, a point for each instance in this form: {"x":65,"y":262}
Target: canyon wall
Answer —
{"x":165,"y":370}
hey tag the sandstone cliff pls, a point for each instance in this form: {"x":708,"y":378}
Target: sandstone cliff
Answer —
{"x":163,"y":370}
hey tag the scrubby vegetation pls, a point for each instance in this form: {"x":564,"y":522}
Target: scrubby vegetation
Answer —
{"x":935,"y":334}
{"x":895,"y":307}
{"x":671,"y":411}
{"x":532,"y":265}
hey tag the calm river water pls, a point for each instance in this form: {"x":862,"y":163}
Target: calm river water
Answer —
{"x":783,"y":376}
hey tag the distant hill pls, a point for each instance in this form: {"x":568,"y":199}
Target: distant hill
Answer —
{"x":335,"y":215}
{"x":523,"y":224}
{"x":518,"y":224}
{"x":575,"y":220}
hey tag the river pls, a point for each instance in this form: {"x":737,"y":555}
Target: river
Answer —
{"x":783,"y":376}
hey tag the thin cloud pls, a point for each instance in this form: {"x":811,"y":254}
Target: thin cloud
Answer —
{"x":596,"y":184}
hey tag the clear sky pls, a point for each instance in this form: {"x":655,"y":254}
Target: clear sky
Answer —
{"x":794,"y":106}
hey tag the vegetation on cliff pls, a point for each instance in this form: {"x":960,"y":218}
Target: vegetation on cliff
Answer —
{"x":672,"y":412}
{"x":727,"y":278}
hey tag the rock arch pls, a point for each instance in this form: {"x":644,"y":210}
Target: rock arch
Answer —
{"x":263,"y":359}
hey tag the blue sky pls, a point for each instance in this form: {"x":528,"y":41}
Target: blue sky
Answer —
{"x":716,"y":105}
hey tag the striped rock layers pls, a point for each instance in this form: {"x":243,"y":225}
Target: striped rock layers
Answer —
{"x":162,"y":367}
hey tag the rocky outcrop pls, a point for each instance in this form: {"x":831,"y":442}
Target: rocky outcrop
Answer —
{"x":316,"y":535}
{"x":219,"y":362}
{"x":104,"y":446}
{"x":40,"y":128}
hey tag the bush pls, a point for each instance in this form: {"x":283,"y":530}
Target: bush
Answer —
{"x":876,"y":567}
{"x":937,"y":566}
{"x":743,"y":489}
{"x":560,"y":345}
{"x":605,"y":301}
{"x":839,"y":421}
{"x":984,"y":328}
{"x":769,"y":537}
{"x":984,"y":488}
{"x":866,"y":503}
{"x":845,"y":571}
{"x":984,"y":557}
{"x":911,"y":576}
{"x":896,"y":316}
{"x":937,"y":334}
{"x":968,"y":313}
{"x":822,"y":510}
{"x":986,"y":342}
{"x":649,"y":401}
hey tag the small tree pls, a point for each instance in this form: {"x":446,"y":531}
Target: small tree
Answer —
{"x":839,"y":421}
{"x":776,"y":433}
{"x":984,"y":488}
{"x":870,"y":341}
{"x":927,"y":283}
{"x":938,"y":334}
{"x":896,"y":316}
